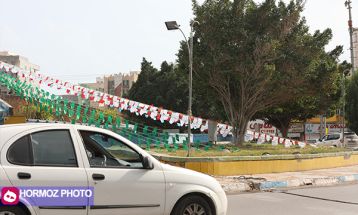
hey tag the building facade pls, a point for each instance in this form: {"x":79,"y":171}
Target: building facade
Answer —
{"x":355,"y":48}
{"x":116,"y":84}
{"x":16,"y":60}
{"x":128,"y":81}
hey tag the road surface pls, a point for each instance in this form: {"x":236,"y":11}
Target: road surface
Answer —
{"x":339,"y":200}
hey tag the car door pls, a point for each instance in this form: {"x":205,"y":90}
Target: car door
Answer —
{"x":351,"y":139}
{"x":332,"y":140}
{"x":45,"y":158}
{"x":121,"y":184}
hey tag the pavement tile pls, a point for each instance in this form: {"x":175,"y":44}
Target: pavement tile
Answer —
{"x":322,"y":177}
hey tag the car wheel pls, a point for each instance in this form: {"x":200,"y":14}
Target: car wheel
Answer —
{"x":12,"y":210}
{"x":192,"y":205}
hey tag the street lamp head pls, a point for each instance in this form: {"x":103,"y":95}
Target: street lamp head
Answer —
{"x":172,"y":25}
{"x":346,"y":72}
{"x":346,"y":3}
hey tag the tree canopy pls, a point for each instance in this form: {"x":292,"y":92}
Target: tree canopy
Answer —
{"x":250,"y":60}
{"x":322,"y":96}
{"x":162,"y":88}
{"x":255,"y":56}
{"x":352,"y":103}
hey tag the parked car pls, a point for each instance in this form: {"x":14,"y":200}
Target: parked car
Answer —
{"x":351,"y":140}
{"x":330,"y":140}
{"x":336,"y":139}
{"x":312,"y":141}
{"x":125,"y":179}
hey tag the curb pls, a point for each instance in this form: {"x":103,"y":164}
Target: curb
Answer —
{"x":168,"y":158}
{"x":267,"y":164}
{"x":271,"y":185}
{"x":327,"y":181}
{"x":237,"y":187}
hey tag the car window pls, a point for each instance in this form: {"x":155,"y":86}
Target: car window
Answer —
{"x":20,"y":152}
{"x":333,"y":137}
{"x":53,"y":148}
{"x":108,"y":152}
{"x":46,"y":148}
{"x":351,"y":136}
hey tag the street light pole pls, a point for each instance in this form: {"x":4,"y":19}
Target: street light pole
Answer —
{"x":350,"y":25}
{"x":172,"y":25}
{"x":343,"y":108}
{"x":344,"y":74}
{"x":190,"y":86}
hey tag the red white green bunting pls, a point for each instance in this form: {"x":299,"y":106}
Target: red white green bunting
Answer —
{"x":36,"y":79}
{"x":122,"y":104}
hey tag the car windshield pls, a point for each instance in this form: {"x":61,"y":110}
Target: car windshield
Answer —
{"x":99,"y":145}
{"x":114,"y":147}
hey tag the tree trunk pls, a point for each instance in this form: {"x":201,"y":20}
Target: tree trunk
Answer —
{"x":239,"y":131}
{"x":235,"y":134}
{"x":284,"y":131}
{"x":284,"y":125}
{"x":242,"y":133}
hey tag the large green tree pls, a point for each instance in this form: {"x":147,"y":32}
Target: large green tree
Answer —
{"x":205,"y":104}
{"x":352,"y":103}
{"x":145,"y":79}
{"x":165,"y":87}
{"x":168,"y":88}
{"x":321,"y":96}
{"x":253,"y":56}
{"x":162,"y":88}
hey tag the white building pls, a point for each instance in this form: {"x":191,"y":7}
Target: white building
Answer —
{"x":16,"y":60}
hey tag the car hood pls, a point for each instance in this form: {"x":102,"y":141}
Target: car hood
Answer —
{"x":175,"y":174}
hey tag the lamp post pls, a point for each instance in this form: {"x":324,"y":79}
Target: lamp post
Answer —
{"x":347,"y":3}
{"x":172,"y":25}
{"x":344,"y":74}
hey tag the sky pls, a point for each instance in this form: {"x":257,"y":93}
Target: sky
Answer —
{"x":78,"y":40}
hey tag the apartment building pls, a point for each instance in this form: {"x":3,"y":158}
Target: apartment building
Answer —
{"x":16,"y":60}
{"x":116,"y":84}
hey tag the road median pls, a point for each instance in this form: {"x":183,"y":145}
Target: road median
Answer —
{"x":246,"y":165}
{"x":277,"y":181}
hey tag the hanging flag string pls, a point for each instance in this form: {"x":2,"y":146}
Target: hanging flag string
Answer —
{"x":25,"y":84}
{"x":104,"y":99}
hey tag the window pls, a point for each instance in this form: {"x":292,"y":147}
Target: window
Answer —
{"x":333,"y":137}
{"x":107,"y":152}
{"x":125,"y":83}
{"x":45,"y":148}
{"x":20,"y":152}
{"x":53,"y":148}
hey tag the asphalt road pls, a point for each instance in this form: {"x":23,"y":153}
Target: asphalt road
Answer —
{"x":340,"y":200}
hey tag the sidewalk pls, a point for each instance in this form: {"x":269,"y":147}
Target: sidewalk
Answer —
{"x":322,"y":177}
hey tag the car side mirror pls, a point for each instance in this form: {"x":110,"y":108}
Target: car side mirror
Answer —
{"x":147,"y":164}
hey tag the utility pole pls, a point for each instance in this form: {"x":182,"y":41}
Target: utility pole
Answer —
{"x":344,"y":108}
{"x":322,"y":127}
{"x":344,"y":74}
{"x":350,"y":25}
{"x":172,"y":25}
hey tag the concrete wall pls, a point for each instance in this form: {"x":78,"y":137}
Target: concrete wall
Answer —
{"x":355,"y":48}
{"x":246,"y":165}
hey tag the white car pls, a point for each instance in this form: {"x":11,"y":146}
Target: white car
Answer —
{"x":125,"y":179}
{"x":330,"y":140}
{"x":336,"y":139}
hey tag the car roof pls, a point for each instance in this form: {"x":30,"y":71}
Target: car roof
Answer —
{"x":39,"y":125}
{"x":28,"y":126}
{"x":7,"y":131}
